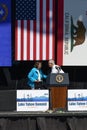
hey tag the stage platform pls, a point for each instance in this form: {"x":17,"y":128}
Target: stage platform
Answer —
{"x":42,"y":114}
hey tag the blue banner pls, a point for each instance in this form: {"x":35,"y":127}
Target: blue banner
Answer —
{"x":5,"y":33}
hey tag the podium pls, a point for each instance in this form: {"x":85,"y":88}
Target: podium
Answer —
{"x":58,"y":89}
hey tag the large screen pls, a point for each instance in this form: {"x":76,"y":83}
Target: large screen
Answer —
{"x":5,"y":33}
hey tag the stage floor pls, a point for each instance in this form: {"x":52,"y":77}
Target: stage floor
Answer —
{"x":42,"y":114}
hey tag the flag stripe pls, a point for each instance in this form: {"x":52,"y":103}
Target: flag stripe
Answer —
{"x":16,"y":34}
{"x":35,"y":40}
{"x":22,"y":39}
{"x":25,"y":41}
{"x":41,"y":28}
{"x":44,"y":29}
{"x":28,"y":40}
{"x":38,"y":30}
{"x":47,"y":28}
{"x":34,"y":51}
{"x":60,"y":32}
{"x":31,"y":40}
{"x":19,"y":40}
{"x":51,"y":28}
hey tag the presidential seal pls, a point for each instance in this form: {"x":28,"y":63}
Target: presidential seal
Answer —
{"x":3,"y":12}
{"x":59,"y":78}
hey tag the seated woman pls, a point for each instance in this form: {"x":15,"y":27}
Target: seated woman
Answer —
{"x":35,"y":75}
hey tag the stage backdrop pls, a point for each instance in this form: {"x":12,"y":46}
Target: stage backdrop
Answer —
{"x":5,"y":33}
{"x":72,"y":32}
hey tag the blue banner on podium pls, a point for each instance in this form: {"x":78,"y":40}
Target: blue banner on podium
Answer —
{"x":32,"y":100}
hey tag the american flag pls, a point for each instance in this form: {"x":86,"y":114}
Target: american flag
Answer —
{"x":35,"y":39}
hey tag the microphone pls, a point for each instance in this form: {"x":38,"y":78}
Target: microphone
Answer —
{"x":58,"y":68}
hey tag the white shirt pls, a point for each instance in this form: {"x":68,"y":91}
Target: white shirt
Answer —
{"x":39,"y":76}
{"x":55,"y":70}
